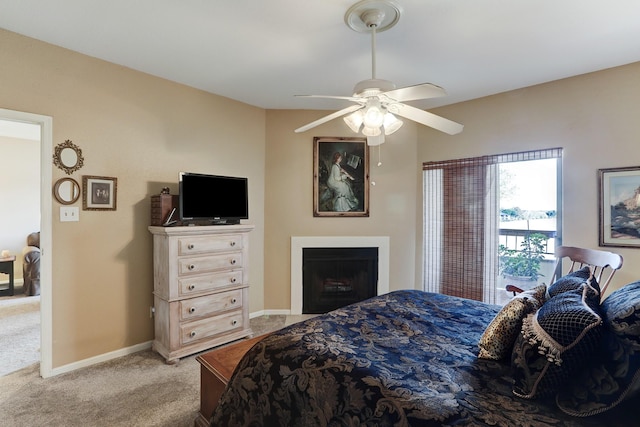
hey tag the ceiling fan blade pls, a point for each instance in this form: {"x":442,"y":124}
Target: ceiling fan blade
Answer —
{"x":331,"y":116}
{"x":346,"y":98}
{"x":428,"y":119}
{"x":421,"y":91}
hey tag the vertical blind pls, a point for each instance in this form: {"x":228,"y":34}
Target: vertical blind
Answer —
{"x":461,"y":223}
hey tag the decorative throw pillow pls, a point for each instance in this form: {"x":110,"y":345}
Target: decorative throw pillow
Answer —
{"x":556,"y":341}
{"x":571,"y":281}
{"x":617,"y":375}
{"x":497,"y":341}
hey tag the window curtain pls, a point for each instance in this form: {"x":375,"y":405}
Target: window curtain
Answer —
{"x":461,"y":223}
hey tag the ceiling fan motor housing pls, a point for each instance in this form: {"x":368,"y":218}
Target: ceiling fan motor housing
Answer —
{"x":372,"y":87}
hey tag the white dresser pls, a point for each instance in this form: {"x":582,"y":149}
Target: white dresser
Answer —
{"x":201,"y":288}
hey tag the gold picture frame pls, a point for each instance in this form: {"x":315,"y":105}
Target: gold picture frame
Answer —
{"x":340,"y":177}
{"x":66,"y":191}
{"x":99,"y":193}
{"x":619,"y":202}
{"x":68,"y":157}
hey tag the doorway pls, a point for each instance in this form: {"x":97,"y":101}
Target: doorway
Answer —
{"x":45,"y":124}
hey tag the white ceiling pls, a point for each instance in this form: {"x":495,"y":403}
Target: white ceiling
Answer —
{"x":264,"y":52}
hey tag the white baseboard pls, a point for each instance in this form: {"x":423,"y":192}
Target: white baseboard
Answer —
{"x":138,"y":347}
{"x":100,"y":358}
{"x":285,"y":312}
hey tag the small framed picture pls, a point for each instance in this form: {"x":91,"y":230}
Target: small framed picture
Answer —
{"x":619,"y":200}
{"x":99,"y":193}
{"x":340,"y":177}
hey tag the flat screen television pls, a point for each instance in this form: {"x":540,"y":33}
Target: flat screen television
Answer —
{"x":213,"y":199}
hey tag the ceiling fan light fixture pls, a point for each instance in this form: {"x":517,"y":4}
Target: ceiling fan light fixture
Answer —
{"x":374,"y":117}
{"x":391,"y":124}
{"x":354,"y":120}
{"x":371,"y":131}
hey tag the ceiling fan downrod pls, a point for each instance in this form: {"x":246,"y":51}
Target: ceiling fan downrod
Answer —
{"x":372,"y":19}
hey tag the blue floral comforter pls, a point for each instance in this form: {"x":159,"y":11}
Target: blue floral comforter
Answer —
{"x":407,"y":358}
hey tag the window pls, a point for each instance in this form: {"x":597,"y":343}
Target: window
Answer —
{"x":462,"y":222}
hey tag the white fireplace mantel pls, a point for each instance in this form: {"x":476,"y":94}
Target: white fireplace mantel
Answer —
{"x":300,"y":242}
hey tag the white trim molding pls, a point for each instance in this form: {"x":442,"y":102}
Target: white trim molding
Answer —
{"x":46,"y":232}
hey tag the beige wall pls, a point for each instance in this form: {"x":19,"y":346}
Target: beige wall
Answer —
{"x":142,"y":130}
{"x":289,"y":199}
{"x":593,"y":117}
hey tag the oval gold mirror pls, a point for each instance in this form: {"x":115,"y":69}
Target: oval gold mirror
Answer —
{"x":66,"y":191}
{"x":68,"y":157}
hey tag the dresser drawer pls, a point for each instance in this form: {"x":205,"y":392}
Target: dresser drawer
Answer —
{"x":209,"y":263}
{"x":210,"y":327}
{"x":210,"y":304}
{"x":203,"y":245}
{"x":199,"y":284}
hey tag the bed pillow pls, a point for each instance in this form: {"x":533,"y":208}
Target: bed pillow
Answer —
{"x":556,"y":342}
{"x":496,"y":343}
{"x":570,"y":282}
{"x":617,"y":376}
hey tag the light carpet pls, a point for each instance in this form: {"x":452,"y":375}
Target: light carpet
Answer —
{"x":20,"y":332}
{"x":134,"y":390}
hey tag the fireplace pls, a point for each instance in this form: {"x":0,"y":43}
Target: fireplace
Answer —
{"x":335,"y":277}
{"x":299,"y":243}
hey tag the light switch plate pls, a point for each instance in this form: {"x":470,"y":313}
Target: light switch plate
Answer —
{"x":69,"y":213}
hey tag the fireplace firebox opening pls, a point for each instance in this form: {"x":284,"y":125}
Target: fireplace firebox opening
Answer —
{"x":335,"y":277}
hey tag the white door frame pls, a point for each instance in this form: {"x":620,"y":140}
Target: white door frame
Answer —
{"x":46,"y":291}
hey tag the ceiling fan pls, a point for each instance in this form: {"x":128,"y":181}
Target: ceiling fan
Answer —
{"x":377,"y":101}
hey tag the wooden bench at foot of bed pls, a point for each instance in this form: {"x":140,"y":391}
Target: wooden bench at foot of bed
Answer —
{"x":216,"y":367}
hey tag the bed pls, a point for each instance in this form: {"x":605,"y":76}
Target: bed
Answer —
{"x":410,"y":358}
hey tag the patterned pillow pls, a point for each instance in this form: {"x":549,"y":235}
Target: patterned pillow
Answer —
{"x":570,"y":282}
{"x":617,"y":375}
{"x":556,"y":342}
{"x":497,"y":341}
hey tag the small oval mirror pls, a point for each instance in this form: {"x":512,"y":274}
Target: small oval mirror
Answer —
{"x":66,"y":191}
{"x":68,"y":157}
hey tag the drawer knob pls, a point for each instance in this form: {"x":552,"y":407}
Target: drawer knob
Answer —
{"x":233,"y":243}
{"x":233,"y":262}
{"x":192,"y":310}
{"x":234,"y":300}
{"x":190,"y":246}
{"x":191,"y":267}
{"x":234,"y":322}
{"x":191,"y":287}
{"x":192,"y":334}
{"x":234,"y":280}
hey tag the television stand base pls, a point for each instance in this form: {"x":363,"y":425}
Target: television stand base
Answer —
{"x":225,"y":222}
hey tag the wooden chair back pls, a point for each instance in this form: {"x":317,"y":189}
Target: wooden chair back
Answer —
{"x":599,"y":261}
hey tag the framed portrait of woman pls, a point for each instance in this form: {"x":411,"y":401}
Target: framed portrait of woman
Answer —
{"x":340,"y":177}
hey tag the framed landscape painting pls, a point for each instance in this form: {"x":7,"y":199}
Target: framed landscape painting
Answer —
{"x":340,"y":177}
{"x":619,"y":200}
